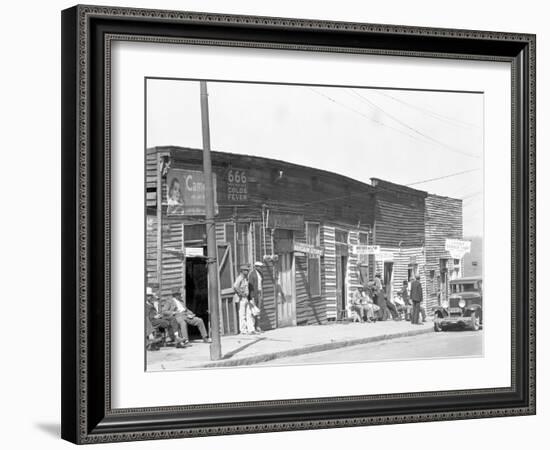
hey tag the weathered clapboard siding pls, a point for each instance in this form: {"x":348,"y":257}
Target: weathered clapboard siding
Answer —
{"x":398,"y":214}
{"x":352,"y":270}
{"x":220,"y":233}
{"x":443,"y":218}
{"x":309,"y":309}
{"x":172,"y":264}
{"x":151,"y":169}
{"x":268,"y":318}
{"x":318,"y":194}
{"x":328,"y":270}
{"x":402,"y":257}
{"x":151,"y":252}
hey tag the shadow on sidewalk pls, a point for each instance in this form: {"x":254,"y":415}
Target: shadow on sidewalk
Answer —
{"x":242,"y":347}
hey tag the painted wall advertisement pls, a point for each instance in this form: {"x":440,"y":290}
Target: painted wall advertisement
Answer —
{"x":237,"y":185}
{"x":186,"y":193}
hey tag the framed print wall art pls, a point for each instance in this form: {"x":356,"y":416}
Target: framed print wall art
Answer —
{"x":281,"y":224}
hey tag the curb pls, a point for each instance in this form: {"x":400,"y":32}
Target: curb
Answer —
{"x":256,"y":359}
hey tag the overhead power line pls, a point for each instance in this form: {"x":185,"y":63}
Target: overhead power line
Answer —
{"x":371,"y":119}
{"x":470,"y":196}
{"x":431,"y":113}
{"x":413,"y":129}
{"x":443,"y":177}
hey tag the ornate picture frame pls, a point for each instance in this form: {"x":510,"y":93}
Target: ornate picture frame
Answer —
{"x":88,"y":33}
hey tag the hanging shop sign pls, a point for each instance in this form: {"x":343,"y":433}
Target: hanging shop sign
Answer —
{"x":186,"y":193}
{"x":194,"y":251}
{"x":457,"y":247}
{"x":366,"y":249}
{"x":307,"y":249}
{"x":237,"y":185}
{"x":286,"y":221}
{"x":384,"y":256}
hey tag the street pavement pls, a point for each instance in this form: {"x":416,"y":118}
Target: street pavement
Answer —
{"x":451,"y":344}
{"x":281,"y":343}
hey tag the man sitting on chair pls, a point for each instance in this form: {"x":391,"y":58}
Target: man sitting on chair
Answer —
{"x":356,"y":305}
{"x":155,"y":321}
{"x":174,"y":307}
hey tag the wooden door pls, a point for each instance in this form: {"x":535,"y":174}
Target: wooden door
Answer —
{"x":340,"y":285}
{"x":228,"y":308}
{"x":286,"y":302}
{"x":388,"y":280}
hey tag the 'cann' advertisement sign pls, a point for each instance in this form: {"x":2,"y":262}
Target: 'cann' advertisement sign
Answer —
{"x":186,"y":193}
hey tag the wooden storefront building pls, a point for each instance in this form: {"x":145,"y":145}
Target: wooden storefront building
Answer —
{"x":320,"y":235}
{"x":399,"y":230}
{"x":443,"y":223}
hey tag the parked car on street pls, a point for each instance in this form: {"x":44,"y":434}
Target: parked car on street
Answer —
{"x":463,"y":308}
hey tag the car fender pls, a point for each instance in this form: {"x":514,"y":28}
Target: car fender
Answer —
{"x":440,"y":309}
{"x":471,"y":308}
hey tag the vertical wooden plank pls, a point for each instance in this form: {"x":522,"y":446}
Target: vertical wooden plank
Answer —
{"x":328,"y":272}
{"x":159,"y":220}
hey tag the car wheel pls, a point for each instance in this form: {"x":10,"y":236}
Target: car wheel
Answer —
{"x":475,"y":321}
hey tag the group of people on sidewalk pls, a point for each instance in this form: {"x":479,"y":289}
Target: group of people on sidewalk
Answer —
{"x":370,"y":303}
{"x":249,"y":297}
{"x":170,"y":315}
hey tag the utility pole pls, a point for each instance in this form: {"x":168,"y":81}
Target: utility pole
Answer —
{"x":213,"y":289}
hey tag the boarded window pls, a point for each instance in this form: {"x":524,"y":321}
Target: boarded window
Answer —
{"x":243,"y":244}
{"x":259,"y":251}
{"x":195,"y":234}
{"x":341,"y":236}
{"x":230,"y":233}
{"x":313,"y":237}
{"x":363,"y":260}
{"x":283,"y":241}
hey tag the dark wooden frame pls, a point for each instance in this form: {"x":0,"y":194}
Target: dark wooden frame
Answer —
{"x":87,"y":32}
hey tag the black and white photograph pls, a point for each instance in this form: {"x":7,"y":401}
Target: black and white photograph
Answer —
{"x":293,"y":224}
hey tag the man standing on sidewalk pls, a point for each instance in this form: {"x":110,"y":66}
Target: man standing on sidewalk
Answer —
{"x":406,"y":300}
{"x":240,"y":287}
{"x":416,"y":297}
{"x":380,"y":299}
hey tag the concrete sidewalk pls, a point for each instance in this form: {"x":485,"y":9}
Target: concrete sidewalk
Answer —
{"x":242,"y":350}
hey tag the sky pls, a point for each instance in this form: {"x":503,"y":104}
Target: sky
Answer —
{"x":432,"y":141}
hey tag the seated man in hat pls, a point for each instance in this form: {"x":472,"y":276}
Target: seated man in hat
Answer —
{"x":369,"y":308}
{"x":174,"y":307}
{"x":380,"y":298}
{"x":155,"y":322}
{"x":358,"y":306}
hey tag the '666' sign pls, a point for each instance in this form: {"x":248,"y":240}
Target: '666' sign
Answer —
{"x":237,"y":185}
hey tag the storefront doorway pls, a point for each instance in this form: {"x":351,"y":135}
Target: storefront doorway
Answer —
{"x":196,"y":291}
{"x":388,"y":279}
{"x":341,"y":264}
{"x":285,"y":290}
{"x":444,"y":280}
{"x":286,"y":302}
{"x":342,"y":252}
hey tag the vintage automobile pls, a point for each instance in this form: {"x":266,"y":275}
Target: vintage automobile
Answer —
{"x":464,"y":307}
